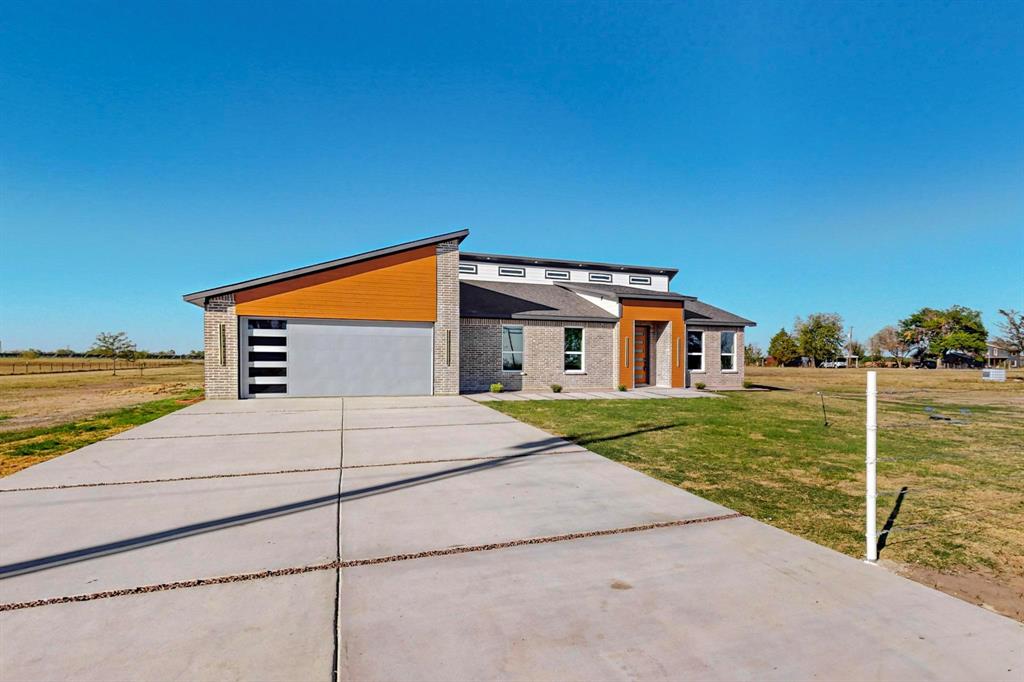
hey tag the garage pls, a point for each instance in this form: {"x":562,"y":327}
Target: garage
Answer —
{"x":309,"y":358}
{"x":383,"y":322}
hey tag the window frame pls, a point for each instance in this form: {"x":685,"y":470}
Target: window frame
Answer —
{"x":722,"y":354}
{"x":641,"y":280}
{"x":468,"y":269}
{"x":557,"y":275}
{"x":522,"y":353}
{"x":600,"y":277}
{"x":582,"y":352}
{"x":511,"y":271}
{"x":703,"y":348}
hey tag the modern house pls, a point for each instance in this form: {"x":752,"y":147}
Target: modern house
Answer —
{"x":425,"y":317}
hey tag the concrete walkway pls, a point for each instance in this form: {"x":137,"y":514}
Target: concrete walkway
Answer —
{"x":427,"y":539}
{"x":650,"y":393}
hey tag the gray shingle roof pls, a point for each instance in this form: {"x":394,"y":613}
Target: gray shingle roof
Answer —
{"x":699,"y":313}
{"x":622,"y":291}
{"x":515,"y":300}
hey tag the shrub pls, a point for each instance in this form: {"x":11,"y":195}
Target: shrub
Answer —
{"x":497,"y":388}
{"x":622,"y":387}
{"x":747,"y":383}
{"x":556,"y":388}
{"x":700,"y":385}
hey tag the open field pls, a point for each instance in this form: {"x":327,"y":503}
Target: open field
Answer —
{"x":22,"y":448}
{"x":46,"y":415}
{"x":40,"y":400}
{"x":768,"y":454}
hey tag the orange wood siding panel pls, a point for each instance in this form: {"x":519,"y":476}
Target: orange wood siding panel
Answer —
{"x":400,"y":286}
{"x":637,"y":310}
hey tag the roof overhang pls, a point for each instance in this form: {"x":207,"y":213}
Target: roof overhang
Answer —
{"x":199,"y":298}
{"x":559,"y":263}
{"x":618,"y":296}
{"x":719,"y":323}
{"x":549,"y":318}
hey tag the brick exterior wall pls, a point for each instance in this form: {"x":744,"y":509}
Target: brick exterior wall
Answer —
{"x":446,"y":328}
{"x":220,"y":369}
{"x":543,"y":349}
{"x":662,"y":358}
{"x":616,"y":363}
{"x":712,"y":376}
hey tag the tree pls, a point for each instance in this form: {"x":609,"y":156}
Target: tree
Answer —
{"x":113,"y":346}
{"x":855,"y":349}
{"x":783,"y":348}
{"x":752,"y":354}
{"x":1012,"y":330}
{"x":820,"y":336}
{"x":888,"y":340}
{"x":63,"y":353}
{"x":935,"y":332}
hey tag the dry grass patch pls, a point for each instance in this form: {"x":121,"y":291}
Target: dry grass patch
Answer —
{"x":42,"y":400}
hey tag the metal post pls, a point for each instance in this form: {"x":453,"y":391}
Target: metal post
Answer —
{"x":870,"y":460}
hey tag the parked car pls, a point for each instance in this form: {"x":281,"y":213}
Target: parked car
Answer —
{"x":925,"y":364}
{"x":834,"y":364}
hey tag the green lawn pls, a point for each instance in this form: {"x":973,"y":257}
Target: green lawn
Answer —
{"x":769,"y":455}
{"x":21,"y":449}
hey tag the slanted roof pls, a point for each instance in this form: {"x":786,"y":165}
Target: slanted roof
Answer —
{"x":621,"y":291}
{"x":701,"y":313}
{"x":521,"y":301}
{"x":560,"y":263}
{"x":199,"y":297}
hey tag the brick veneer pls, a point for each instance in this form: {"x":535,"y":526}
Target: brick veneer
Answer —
{"x":662,"y":357}
{"x":446,"y":327}
{"x":712,"y":376}
{"x":543,"y":355}
{"x":221,"y":372}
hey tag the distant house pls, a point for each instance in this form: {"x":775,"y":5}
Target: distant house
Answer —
{"x":953,"y":359}
{"x":999,"y":355}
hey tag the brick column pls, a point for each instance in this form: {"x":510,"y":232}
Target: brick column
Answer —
{"x":446,"y":328}
{"x":220,"y":340}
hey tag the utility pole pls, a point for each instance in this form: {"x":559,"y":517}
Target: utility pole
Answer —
{"x":849,"y":346}
{"x":870,"y":462}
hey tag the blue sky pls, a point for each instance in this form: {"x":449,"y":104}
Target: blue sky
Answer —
{"x":862,"y":158}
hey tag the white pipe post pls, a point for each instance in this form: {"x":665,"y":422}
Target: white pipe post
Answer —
{"x":870,"y":460}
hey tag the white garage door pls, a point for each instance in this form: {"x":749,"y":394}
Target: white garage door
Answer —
{"x":298,"y":357}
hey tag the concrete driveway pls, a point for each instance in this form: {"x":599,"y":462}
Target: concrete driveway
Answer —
{"x":431,"y":538}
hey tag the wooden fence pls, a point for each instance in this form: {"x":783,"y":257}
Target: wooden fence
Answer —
{"x":61,"y":366}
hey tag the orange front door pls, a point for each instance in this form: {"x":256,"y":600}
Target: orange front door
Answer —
{"x":641,"y":355}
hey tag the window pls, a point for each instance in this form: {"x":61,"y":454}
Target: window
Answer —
{"x":573,"y":361}
{"x":600,"y":277}
{"x":511,"y":348}
{"x":695,"y":351}
{"x":728,"y":351}
{"x":467,"y":268}
{"x":557,"y":274}
{"x":512,"y":272}
{"x":639,"y":279}
{"x":268,"y":324}
{"x":265,"y":358}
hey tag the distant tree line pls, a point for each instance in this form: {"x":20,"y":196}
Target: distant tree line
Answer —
{"x":112,"y":345}
{"x":956,"y":333}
